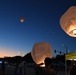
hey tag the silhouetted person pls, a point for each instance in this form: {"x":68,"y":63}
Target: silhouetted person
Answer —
{"x":47,"y":70}
{"x":20,"y":68}
{"x":72,"y":70}
{"x":38,"y":68}
{"x":3,"y":67}
{"x":16,"y":68}
{"x":48,"y":67}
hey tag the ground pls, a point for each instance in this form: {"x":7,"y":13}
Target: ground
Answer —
{"x":9,"y":70}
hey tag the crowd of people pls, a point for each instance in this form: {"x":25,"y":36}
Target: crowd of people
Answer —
{"x":47,"y":70}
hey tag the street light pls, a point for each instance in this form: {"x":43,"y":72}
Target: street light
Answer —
{"x":65,"y":48}
{"x":64,"y":54}
{"x":65,"y":60}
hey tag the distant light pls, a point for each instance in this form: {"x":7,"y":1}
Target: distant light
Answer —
{"x":21,"y":19}
{"x":73,"y":59}
{"x":0,"y":61}
{"x":62,"y":45}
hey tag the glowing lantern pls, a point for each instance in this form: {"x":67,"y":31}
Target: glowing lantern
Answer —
{"x":68,"y":21}
{"x":22,"y":19}
{"x":40,"y":51}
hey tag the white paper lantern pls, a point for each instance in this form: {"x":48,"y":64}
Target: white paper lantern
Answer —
{"x":40,"y":51}
{"x":68,"y":21}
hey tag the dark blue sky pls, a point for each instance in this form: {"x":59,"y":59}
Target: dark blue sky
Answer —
{"x":41,"y":25}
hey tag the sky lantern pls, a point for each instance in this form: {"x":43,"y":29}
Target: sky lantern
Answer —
{"x":21,"y":19}
{"x":68,"y":21}
{"x":40,"y":51}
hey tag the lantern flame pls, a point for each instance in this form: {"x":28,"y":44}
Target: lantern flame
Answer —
{"x":43,"y":65}
{"x":74,"y":32}
{"x":21,"y":19}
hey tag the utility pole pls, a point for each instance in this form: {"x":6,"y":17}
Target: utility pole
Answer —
{"x":65,"y":58}
{"x":66,"y":50}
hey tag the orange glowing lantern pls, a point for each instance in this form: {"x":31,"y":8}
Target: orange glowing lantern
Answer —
{"x":40,"y":51}
{"x":68,"y":21}
{"x":21,"y":19}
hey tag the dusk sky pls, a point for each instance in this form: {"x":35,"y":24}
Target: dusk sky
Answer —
{"x":41,"y":24}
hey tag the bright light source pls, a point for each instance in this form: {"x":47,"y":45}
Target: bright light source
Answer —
{"x":42,"y":65}
{"x":73,"y":59}
{"x":70,"y":59}
{"x":0,"y":61}
{"x":21,"y":19}
{"x":74,"y":32}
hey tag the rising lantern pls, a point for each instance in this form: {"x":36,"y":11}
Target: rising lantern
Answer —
{"x":40,"y":51}
{"x":68,"y":21}
{"x":21,"y":19}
